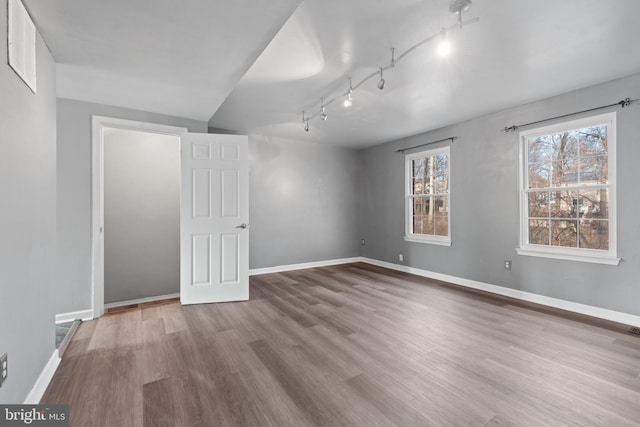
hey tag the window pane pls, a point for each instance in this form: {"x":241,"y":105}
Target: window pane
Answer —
{"x":539,"y":232}
{"x":427,"y":206}
{"x":428,"y":169}
{"x":593,"y":141}
{"x":540,"y":149}
{"x":418,"y":168}
{"x":440,"y":164}
{"x":564,"y":233}
{"x":594,"y":203}
{"x":564,"y":166}
{"x":418,"y":206}
{"x":564,"y":172}
{"x":564,"y":145}
{"x":594,"y":170}
{"x":539,"y":175}
{"x":417,"y":224}
{"x":442,"y":226}
{"x":539,"y":204}
{"x":418,"y":186}
{"x":428,"y":185}
{"x":427,"y":225}
{"x":594,"y":234}
{"x":441,"y":184}
{"x":441,"y":206}
{"x":563,"y":204}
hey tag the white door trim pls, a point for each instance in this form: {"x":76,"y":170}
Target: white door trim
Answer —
{"x":98,"y":123}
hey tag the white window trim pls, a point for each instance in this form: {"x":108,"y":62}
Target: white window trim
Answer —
{"x":570,"y":254}
{"x":425,"y":238}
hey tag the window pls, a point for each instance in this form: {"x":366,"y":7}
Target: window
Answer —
{"x":427,"y":201}
{"x":567,"y":191}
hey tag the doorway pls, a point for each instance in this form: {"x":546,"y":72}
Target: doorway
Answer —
{"x":141,"y":216}
{"x":136,"y":211}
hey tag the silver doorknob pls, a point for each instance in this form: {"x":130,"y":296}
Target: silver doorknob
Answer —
{"x":243,"y":226}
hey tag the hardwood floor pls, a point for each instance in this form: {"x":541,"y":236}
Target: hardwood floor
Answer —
{"x":352,"y":345}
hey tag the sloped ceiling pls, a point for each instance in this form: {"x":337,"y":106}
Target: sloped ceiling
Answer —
{"x":163,"y":56}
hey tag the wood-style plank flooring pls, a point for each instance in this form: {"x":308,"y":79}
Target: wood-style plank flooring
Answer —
{"x":351,"y":345}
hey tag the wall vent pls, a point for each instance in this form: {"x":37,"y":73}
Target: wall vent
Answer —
{"x":21,"y":43}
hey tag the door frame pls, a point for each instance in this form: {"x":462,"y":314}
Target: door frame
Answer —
{"x":98,"y":123}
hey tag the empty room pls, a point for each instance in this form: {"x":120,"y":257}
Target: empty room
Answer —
{"x":319,"y":213}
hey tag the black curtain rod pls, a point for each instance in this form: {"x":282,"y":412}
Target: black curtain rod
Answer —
{"x":624,"y":103}
{"x":402,"y":150}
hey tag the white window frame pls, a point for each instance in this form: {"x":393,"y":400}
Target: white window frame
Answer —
{"x":562,"y":253}
{"x":408,"y":192}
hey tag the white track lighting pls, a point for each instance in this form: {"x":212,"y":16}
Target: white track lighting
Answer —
{"x":305,"y":120}
{"x":381,"y":82}
{"x":348,"y":102}
{"x":323,"y":114}
{"x":443,"y":48}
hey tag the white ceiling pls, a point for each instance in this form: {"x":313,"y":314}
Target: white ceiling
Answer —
{"x":520,"y":51}
{"x":163,"y":56}
{"x":190,"y":59}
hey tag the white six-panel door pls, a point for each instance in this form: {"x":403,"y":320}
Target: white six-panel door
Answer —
{"x":214,"y":218}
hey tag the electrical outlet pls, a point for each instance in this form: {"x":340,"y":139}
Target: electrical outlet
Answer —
{"x":401,"y":257}
{"x":362,"y":242}
{"x":4,"y":368}
{"x":507,"y":265}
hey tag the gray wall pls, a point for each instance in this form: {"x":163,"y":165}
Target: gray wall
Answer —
{"x":303,"y":202}
{"x":141,"y":215}
{"x":27,"y":219}
{"x":484,"y":211}
{"x":74,"y":193}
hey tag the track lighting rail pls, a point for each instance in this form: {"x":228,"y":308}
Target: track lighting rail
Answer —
{"x":378,"y":72}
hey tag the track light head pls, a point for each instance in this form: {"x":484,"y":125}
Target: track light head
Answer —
{"x":306,"y":125}
{"x":381,"y":82}
{"x":323,"y":114}
{"x":348,"y":102}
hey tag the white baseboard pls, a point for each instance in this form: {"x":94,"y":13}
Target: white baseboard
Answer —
{"x":302,"y":266}
{"x":70,"y":317}
{"x":601,"y":313}
{"x":142,"y":300}
{"x":36,"y":393}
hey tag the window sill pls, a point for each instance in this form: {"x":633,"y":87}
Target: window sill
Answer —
{"x":430,"y":241}
{"x":590,"y":257}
